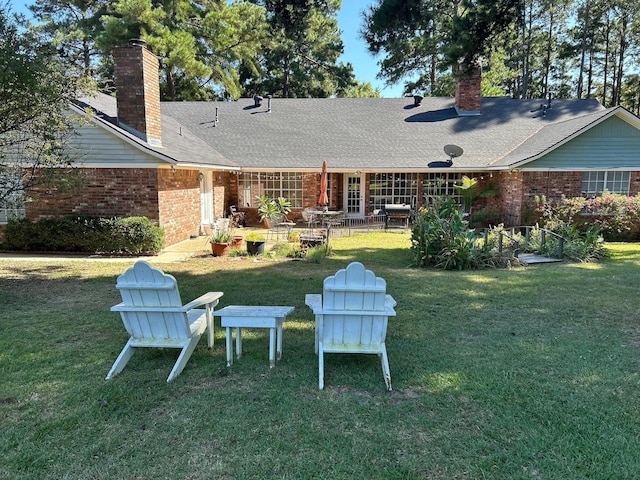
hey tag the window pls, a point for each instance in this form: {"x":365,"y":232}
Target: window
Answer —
{"x":595,"y":183}
{"x":271,"y":184}
{"x":438,"y":184}
{"x":13,"y":205}
{"x":392,"y":188}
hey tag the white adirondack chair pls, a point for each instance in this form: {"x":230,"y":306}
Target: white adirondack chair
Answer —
{"x":153,"y":314}
{"x":352,"y":316}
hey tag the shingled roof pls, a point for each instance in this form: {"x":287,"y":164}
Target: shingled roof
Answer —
{"x":367,"y":134}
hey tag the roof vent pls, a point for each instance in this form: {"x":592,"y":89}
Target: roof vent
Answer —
{"x":417,"y":100}
{"x":268,"y":103}
{"x":257,"y":100}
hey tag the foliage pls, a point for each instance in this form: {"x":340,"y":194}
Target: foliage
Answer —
{"x":71,"y":27}
{"x":441,"y":238}
{"x":360,"y":90}
{"x":471,"y":192}
{"x":617,"y":216}
{"x":301,"y":57}
{"x":222,"y":235}
{"x":577,"y":245}
{"x":131,"y":235}
{"x":485,"y":216}
{"x":529,"y":49}
{"x":316,"y":254}
{"x":202,"y":45}
{"x":269,"y":208}
{"x":255,"y":237}
{"x":422,"y":38}
{"x":288,"y":250}
{"x":35,"y":124}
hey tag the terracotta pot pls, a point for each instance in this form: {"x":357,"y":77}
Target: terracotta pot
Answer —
{"x":219,"y":249}
{"x":237,"y":241}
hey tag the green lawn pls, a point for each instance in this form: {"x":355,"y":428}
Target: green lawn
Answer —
{"x":528,"y":373}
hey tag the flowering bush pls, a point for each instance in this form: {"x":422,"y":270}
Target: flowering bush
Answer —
{"x":616,"y":216}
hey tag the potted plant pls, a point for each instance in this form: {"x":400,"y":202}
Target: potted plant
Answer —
{"x":294,"y":236}
{"x":272,"y":208}
{"x":255,"y":243}
{"x":266,"y":209}
{"x":220,"y":242}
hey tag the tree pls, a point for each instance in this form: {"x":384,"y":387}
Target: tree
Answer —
{"x":35,"y":125}
{"x":201,"y":45}
{"x":438,"y":33}
{"x":301,"y":59}
{"x":72,"y":27}
{"x":360,"y":90}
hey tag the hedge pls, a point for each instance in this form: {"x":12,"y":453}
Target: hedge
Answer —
{"x":131,"y":235}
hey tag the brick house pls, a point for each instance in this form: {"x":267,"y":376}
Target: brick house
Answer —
{"x":183,"y":164}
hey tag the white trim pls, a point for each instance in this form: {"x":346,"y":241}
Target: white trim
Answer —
{"x":345,"y":202}
{"x":206,"y":200}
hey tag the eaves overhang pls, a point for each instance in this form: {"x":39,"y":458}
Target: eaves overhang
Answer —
{"x":148,"y":149}
{"x":521,"y":163}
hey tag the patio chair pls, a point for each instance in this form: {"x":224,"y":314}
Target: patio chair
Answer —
{"x":237,"y":217}
{"x":280,"y":225}
{"x":310,"y":218}
{"x":153,"y":315}
{"x":352,"y":316}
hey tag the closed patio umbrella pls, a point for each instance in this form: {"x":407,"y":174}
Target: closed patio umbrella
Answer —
{"x":324,"y":198}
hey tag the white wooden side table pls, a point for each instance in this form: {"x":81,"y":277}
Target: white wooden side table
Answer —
{"x":239,"y":316}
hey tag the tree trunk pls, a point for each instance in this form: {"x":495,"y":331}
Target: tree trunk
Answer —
{"x":583,"y":47}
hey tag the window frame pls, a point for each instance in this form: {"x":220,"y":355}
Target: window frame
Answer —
{"x":272,"y":184}
{"x":594,"y":187}
{"x":392,"y":188}
{"x":446,"y":186}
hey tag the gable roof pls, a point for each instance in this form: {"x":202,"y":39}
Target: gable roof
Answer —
{"x":179,"y":146}
{"x":366,"y":134}
{"x":557,"y":134}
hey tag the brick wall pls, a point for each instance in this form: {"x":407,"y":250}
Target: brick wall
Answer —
{"x":108,"y":192}
{"x":179,"y":204}
{"x":171,"y":200}
{"x":510,"y":199}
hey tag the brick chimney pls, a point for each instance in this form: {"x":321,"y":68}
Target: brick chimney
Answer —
{"x":468,"y":89}
{"x":138,"y":91}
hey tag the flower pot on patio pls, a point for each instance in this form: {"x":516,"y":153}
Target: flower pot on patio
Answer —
{"x":237,"y":241}
{"x":219,"y":249}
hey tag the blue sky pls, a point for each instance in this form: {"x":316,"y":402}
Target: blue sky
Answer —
{"x":365,"y":66}
{"x":355,"y":51}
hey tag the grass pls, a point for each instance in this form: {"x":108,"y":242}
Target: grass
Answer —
{"x":528,"y":373}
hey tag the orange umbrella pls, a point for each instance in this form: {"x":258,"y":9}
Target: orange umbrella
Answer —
{"x":324,"y":198}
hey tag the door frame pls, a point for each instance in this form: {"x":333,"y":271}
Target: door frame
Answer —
{"x":360,"y":207}
{"x":206,"y":200}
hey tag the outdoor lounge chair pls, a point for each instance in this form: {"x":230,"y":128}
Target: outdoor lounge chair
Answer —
{"x":153,"y":314}
{"x":352,"y":315}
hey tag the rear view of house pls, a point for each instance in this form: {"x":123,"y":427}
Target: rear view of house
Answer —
{"x":183,"y":164}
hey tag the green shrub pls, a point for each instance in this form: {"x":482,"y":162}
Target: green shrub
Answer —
{"x":316,"y":254}
{"x":442,"y":239}
{"x":133,"y":235}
